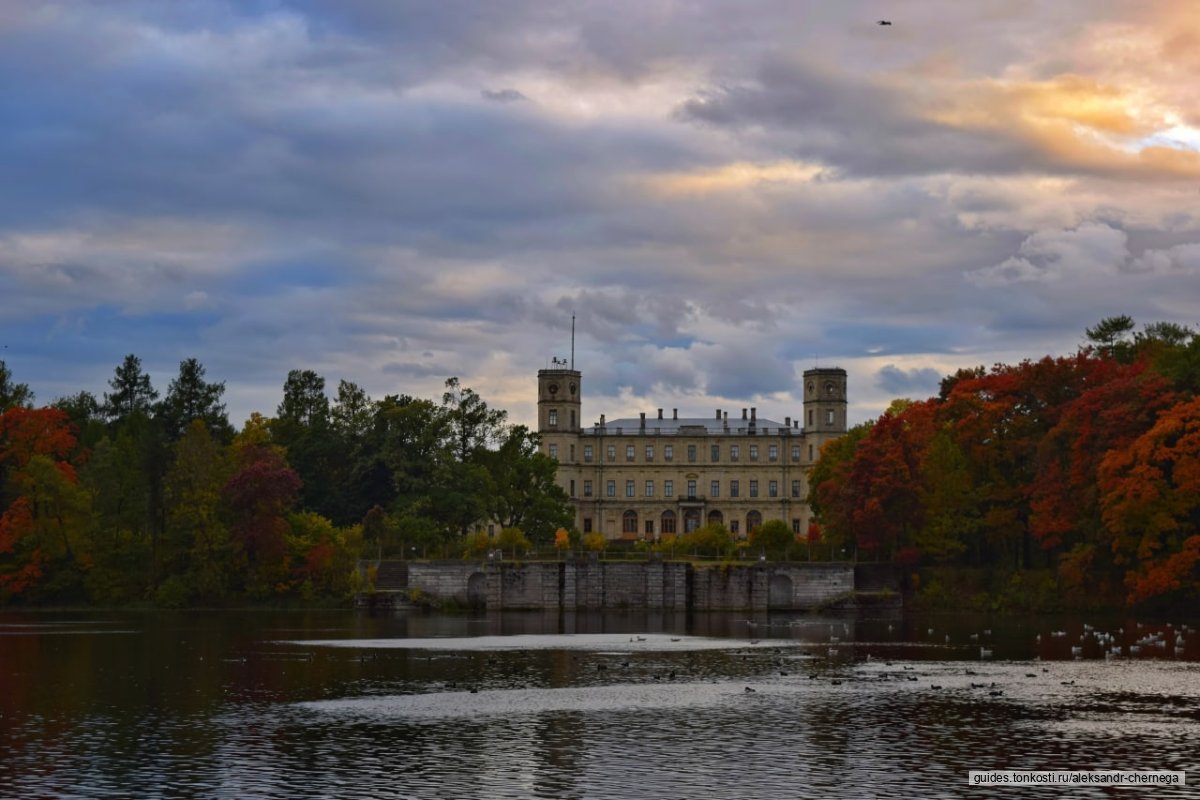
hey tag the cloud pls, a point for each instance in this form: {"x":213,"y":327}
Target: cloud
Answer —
{"x":719,"y":192}
{"x":1093,"y":250}
{"x":503,"y":95}
{"x":918,"y":382}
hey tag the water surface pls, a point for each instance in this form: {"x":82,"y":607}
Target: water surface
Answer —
{"x":342,"y":704}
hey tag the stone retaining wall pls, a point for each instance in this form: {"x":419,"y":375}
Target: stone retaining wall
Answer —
{"x":589,"y":583}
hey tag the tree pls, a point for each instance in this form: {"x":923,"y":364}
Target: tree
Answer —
{"x":44,"y":526}
{"x":773,"y":537}
{"x":302,"y":427}
{"x":131,"y":391}
{"x":1151,"y":502}
{"x":525,"y":493}
{"x":1111,"y":335}
{"x":13,"y":395}
{"x":190,"y":397}
{"x":197,"y":545}
{"x":474,"y":426}
{"x":259,"y":495}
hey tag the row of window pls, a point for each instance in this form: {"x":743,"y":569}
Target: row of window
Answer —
{"x":668,"y":488}
{"x":668,"y":453}
{"x":691,"y":521}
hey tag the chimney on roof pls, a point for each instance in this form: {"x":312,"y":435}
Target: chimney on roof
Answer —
{"x":674,"y":413}
{"x":601,"y":420}
{"x":743,"y":413}
{"x":718,"y":413}
{"x":787,"y":422}
{"x":660,"y":413}
{"x":643,"y":420}
{"x":753,"y":414}
{"x":726,"y":417}
{"x":796,"y":424}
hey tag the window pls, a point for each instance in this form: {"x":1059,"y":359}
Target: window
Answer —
{"x":587,"y":524}
{"x":629,"y":522}
{"x":716,"y":453}
{"x":754,"y":452}
{"x":629,"y":488}
{"x":611,"y":488}
{"x":733,"y":488}
{"x":773,"y":489}
{"x":572,"y":487}
{"x":691,"y":488}
{"x":629,"y":452}
{"x":572,"y":454}
{"x":810,"y":418}
{"x":553,"y":419}
{"x":829,"y":416}
{"x":649,"y":452}
{"x":649,"y":527}
{"x":753,"y":521}
{"x":668,"y":452}
{"x":795,"y":488}
{"x":668,"y":488}
{"x":733,"y":452}
{"x":612,"y":452}
{"x":714,"y":489}
{"x":795,"y":452}
{"x":754,"y":488}
{"x":649,"y":488}
{"x":587,"y":488}
{"x":829,"y":389}
{"x":572,"y":419}
{"x":733,"y":526}
{"x":668,"y":522}
{"x":691,"y":452}
{"x":772,"y":453}
{"x":554,"y":451}
{"x":810,"y":452}
{"x":587,"y":453}
{"x":795,"y":525}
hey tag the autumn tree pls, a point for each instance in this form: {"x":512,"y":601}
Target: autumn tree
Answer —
{"x":1151,"y":503}
{"x":45,"y":520}
{"x":260,"y":493}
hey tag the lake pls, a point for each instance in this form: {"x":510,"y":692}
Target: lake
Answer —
{"x":269,"y":704}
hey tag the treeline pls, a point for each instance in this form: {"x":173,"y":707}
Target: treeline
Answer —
{"x":1087,"y":464}
{"x":133,"y":498}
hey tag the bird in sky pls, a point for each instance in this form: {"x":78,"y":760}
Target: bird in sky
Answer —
{"x":884,"y":22}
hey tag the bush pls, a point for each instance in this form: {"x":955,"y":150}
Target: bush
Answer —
{"x":512,"y":540}
{"x":711,"y":540}
{"x":773,"y":537}
{"x":595,"y":542}
{"x":172,"y":593}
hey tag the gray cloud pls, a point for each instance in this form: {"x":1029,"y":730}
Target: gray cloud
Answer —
{"x":326,"y":185}
{"x":917,"y":383}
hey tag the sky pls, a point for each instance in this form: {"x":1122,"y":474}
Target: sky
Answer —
{"x":723,"y":194}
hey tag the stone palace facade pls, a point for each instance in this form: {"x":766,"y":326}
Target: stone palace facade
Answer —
{"x":649,"y":476}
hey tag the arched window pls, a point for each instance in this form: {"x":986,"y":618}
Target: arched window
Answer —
{"x":753,"y":520}
{"x":691,"y":520}
{"x":716,"y":518}
{"x":629,"y":522}
{"x":668,"y":522}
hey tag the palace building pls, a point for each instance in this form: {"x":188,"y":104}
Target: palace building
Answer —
{"x":650,"y":476}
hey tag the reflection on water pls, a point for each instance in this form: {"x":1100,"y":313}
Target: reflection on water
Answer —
{"x":338,"y":704}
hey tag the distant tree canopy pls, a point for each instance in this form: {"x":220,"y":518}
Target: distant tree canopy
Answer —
{"x":1081,"y":463}
{"x":133,"y":498}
